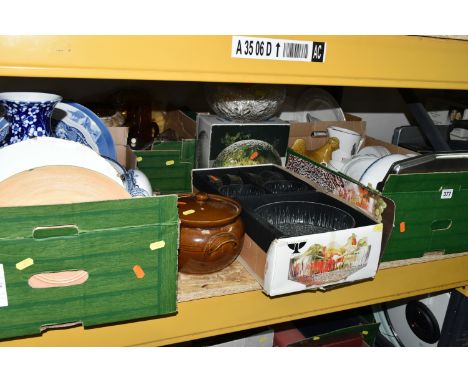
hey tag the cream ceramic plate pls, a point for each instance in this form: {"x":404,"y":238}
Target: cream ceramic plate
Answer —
{"x":58,"y":185}
{"x":376,"y":172}
{"x":355,"y":167}
{"x":48,"y":151}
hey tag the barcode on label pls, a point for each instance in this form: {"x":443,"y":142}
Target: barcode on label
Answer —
{"x":295,"y":50}
{"x":278,"y":49}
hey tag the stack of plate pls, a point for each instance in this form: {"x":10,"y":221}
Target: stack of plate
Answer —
{"x":74,"y":122}
{"x":48,"y":170}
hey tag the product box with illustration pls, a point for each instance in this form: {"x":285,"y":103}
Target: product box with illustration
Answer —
{"x":88,"y":263}
{"x":430,"y":192}
{"x":168,"y":164}
{"x":297,"y":237}
{"x":215,"y":134}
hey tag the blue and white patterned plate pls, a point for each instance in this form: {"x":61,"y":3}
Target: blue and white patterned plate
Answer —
{"x":71,"y":131}
{"x":3,"y":129}
{"x":97,"y":130}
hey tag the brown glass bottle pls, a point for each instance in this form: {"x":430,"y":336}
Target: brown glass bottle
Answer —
{"x":136,"y":106}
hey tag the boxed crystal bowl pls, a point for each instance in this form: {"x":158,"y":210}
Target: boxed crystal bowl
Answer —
{"x":298,"y":237}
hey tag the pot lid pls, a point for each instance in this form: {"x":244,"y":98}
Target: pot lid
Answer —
{"x":207,"y":210}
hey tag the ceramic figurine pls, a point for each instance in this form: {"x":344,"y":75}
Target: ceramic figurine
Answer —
{"x":321,"y":155}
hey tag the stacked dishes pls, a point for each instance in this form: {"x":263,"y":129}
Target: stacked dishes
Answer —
{"x":29,"y":115}
{"x":48,"y":170}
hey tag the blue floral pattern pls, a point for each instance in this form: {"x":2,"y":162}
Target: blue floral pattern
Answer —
{"x":27,"y":119}
{"x":4,"y":128}
{"x":131,"y":185}
{"x":63,"y":131}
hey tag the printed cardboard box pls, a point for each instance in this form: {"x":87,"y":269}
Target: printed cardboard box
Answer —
{"x":121,"y":258}
{"x":119,"y":136}
{"x":215,"y":134}
{"x":284,"y":263}
{"x":425,"y":220}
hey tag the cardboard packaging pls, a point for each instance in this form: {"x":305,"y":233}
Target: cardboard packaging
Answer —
{"x":168,"y":164}
{"x":284,"y":263}
{"x":119,"y":136}
{"x":425,"y":220}
{"x":215,"y":134}
{"x":126,"y":251}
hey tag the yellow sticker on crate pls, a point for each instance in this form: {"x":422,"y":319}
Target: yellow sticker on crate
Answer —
{"x":157,"y":245}
{"x":23,"y":264}
{"x":169,"y":162}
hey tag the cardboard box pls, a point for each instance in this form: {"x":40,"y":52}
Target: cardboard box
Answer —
{"x":168,"y":164}
{"x":425,"y":221}
{"x":279,"y":262}
{"x":215,"y":133}
{"x":127,"y":249}
{"x":119,"y":136}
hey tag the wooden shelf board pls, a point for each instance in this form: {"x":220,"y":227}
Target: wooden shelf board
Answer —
{"x":211,"y":316}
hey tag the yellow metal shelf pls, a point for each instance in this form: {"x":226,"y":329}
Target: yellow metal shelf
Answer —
{"x":218,"y":315}
{"x":379,"y":61}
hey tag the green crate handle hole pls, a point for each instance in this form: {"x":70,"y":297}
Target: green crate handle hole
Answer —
{"x":441,"y":225}
{"x":56,"y":231}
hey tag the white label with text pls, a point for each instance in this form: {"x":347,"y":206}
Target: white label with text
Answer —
{"x":278,"y":49}
{"x":447,"y":193}
{"x":3,"y":292}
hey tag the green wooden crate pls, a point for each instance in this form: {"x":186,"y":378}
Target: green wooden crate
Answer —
{"x":106,"y":239}
{"x":168,"y":165}
{"x":424,"y":220}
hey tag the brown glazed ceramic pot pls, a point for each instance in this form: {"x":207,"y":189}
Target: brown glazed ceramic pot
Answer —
{"x":211,"y":232}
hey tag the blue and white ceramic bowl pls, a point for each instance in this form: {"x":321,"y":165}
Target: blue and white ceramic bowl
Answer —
{"x":28,"y":114}
{"x":137,"y":184}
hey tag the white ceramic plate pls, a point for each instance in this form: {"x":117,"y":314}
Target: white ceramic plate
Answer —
{"x":47,"y":151}
{"x":377,"y":151}
{"x":376,"y":172}
{"x":356,"y":166}
{"x":315,"y":104}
